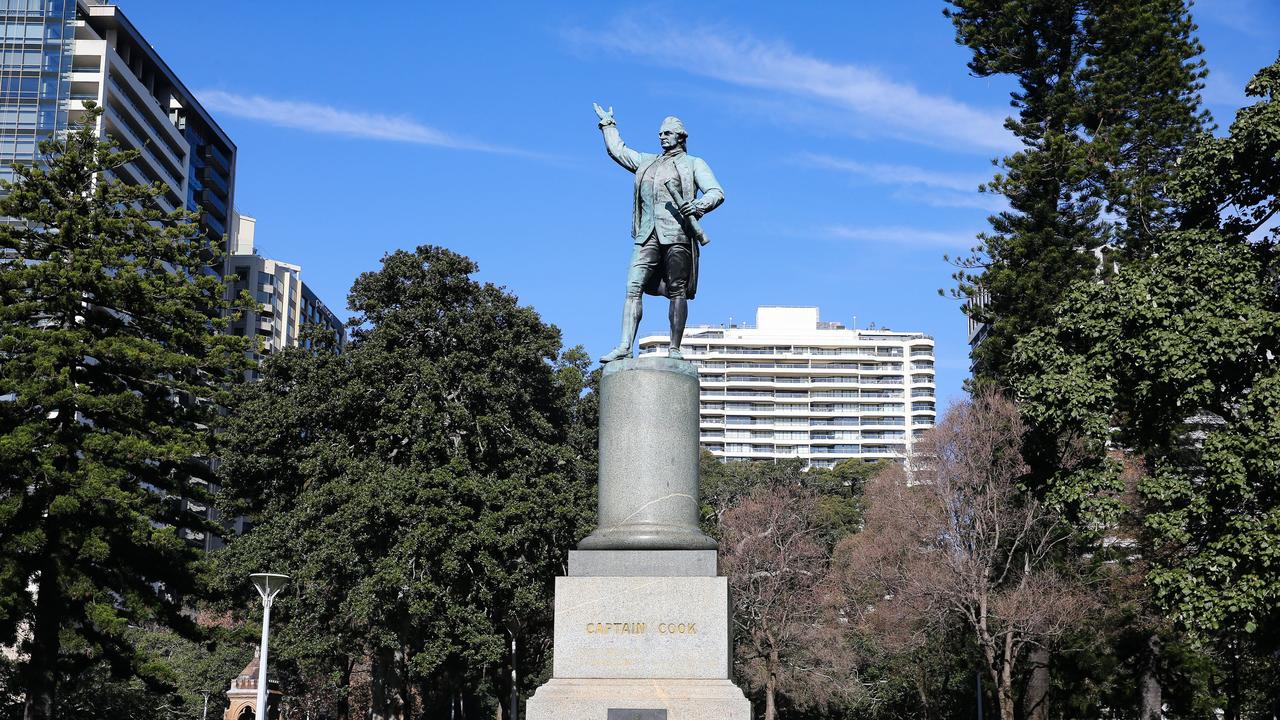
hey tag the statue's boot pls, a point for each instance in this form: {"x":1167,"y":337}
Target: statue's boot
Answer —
{"x":678,"y":314}
{"x":631,"y":312}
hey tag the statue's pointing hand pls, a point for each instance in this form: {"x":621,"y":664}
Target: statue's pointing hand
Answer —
{"x":606,"y":116}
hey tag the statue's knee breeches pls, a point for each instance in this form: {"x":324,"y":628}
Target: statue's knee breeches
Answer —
{"x":676,"y":263}
{"x":644,"y":260}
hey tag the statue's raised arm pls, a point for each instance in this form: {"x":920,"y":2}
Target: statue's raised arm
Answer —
{"x":618,"y":150}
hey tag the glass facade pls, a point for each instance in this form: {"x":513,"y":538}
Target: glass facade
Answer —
{"x":54,"y":54}
{"x":208,"y":179}
{"x":36,"y":39}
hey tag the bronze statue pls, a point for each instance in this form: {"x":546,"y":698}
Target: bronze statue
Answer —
{"x":664,"y":225}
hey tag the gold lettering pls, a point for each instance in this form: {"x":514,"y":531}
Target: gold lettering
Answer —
{"x":639,"y":628}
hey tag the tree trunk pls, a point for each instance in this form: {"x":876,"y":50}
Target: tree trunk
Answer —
{"x":1004,"y":688}
{"x":922,"y":694}
{"x":1152,"y":699}
{"x":771,"y":687}
{"x":1005,"y":695}
{"x":41,"y":673}
{"x":1233,"y":684}
{"x":385,"y":688}
{"x":344,"y":698}
{"x":1035,"y":702}
{"x":507,"y":684}
{"x":408,"y":696}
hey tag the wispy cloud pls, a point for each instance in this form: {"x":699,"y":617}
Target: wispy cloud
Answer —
{"x":916,"y":184}
{"x":884,"y":174}
{"x":875,"y":102}
{"x":952,"y":199}
{"x":1224,"y":90}
{"x":901,"y":235}
{"x":329,"y":120}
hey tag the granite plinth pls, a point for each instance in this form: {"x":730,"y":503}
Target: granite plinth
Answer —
{"x":643,"y":563}
{"x":563,"y":699}
{"x":642,"y":628}
{"x":649,"y":456}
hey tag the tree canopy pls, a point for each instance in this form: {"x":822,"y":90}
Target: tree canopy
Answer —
{"x":421,"y":487}
{"x":111,"y":371}
{"x":1108,"y":96}
{"x":1175,"y":360}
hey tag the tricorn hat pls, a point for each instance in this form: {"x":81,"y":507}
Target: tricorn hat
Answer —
{"x":673,"y":123}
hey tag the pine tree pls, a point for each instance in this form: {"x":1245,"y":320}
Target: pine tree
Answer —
{"x":1142,"y":81}
{"x":1108,"y":97}
{"x":111,"y":369}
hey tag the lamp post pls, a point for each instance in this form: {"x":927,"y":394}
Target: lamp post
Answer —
{"x":269,"y":585}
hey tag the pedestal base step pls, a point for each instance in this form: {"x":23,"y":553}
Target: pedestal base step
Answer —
{"x":643,"y":563}
{"x":586,"y":699}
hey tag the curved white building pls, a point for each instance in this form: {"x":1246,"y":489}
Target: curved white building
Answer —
{"x":792,"y":386}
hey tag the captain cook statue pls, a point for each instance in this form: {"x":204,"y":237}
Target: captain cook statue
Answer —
{"x":664,"y":225}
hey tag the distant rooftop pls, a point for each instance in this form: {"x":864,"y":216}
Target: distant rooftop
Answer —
{"x":796,"y":320}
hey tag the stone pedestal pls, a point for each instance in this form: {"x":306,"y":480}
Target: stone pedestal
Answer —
{"x":659,"y":646}
{"x":649,"y":456}
{"x":643,"y":627}
{"x":668,"y":699}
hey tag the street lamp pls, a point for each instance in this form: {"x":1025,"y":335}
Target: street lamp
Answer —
{"x":269,"y":585}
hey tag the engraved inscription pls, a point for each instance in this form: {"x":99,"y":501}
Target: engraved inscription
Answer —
{"x":639,"y":628}
{"x":616,"y":628}
{"x":629,"y":714}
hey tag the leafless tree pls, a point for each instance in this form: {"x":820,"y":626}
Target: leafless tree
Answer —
{"x":777,"y":565}
{"x":951,"y":537}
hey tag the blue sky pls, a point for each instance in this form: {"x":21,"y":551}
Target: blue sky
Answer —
{"x":849,"y":138}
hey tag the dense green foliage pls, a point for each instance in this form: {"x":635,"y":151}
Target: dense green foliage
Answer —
{"x":111,"y":366}
{"x":1175,"y":360}
{"x":421,"y":488}
{"x":1131,"y":305}
{"x":1108,"y":96}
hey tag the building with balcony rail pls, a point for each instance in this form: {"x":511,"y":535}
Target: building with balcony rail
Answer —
{"x":792,"y":386}
{"x":56,"y":54}
{"x":285,"y":303}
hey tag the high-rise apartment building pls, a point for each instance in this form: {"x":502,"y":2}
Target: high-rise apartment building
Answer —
{"x":286,"y":303}
{"x":55,"y":54}
{"x":792,"y":386}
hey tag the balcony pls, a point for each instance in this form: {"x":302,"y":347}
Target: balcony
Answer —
{"x":211,"y":154}
{"x":884,"y":421}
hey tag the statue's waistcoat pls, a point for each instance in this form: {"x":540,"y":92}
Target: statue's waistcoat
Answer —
{"x":662,"y":215}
